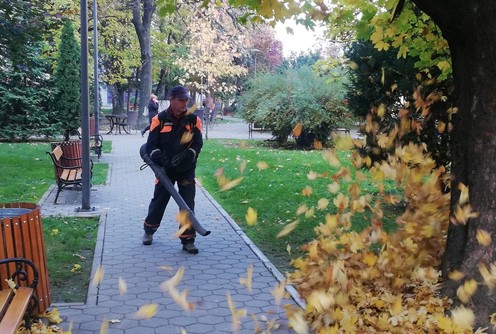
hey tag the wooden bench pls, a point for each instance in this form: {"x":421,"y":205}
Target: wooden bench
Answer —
{"x":68,"y":171}
{"x":18,"y":301}
{"x":96,"y":143}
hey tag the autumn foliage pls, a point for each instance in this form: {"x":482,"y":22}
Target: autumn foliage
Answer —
{"x":373,"y":282}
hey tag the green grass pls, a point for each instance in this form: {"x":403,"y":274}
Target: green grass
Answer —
{"x":275,"y":193}
{"x":70,"y":242}
{"x":27,"y":173}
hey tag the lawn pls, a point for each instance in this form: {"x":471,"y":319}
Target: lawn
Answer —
{"x":276,"y":192}
{"x":27,"y":173}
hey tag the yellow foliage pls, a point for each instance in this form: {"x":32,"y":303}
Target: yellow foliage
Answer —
{"x":352,"y":286}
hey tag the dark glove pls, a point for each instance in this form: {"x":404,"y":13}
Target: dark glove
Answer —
{"x":186,"y":156}
{"x":156,"y":157}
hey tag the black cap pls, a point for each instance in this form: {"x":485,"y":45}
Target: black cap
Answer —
{"x":179,"y":92}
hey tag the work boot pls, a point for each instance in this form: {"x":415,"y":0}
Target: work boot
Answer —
{"x":190,"y":248}
{"x":147,"y":239}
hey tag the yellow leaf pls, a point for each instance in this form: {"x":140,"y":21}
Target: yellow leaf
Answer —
{"x":333,"y":187}
{"x":54,"y":231}
{"x":287,"y":229}
{"x":192,"y":109}
{"x":288,"y":249}
{"x":187,"y":137}
{"x":370,"y":259}
{"x":279,"y":291}
{"x":396,"y":308}
{"x":483,"y":237}
{"x":122,"y":286}
{"x":307,"y":191}
{"x":299,"y":324}
{"x":312,"y":175}
{"x":467,"y":290}
{"x":463,"y":194}
{"x":231,"y":184}
{"x":297,"y":130}
{"x":381,"y":110}
{"x":301,"y":209}
{"x":344,"y":142}
{"x":456,"y":275}
{"x":147,"y":311}
{"x":463,"y":317}
{"x":98,"y":277}
{"x":488,"y":274}
{"x":249,"y":275}
{"x":251,"y":216}
{"x":341,"y":202}
{"x":262,"y":165}
{"x":353,"y":65}
{"x":242,"y":166}
{"x":236,"y":314}
{"x":331,"y":157}
{"x":322,"y":204}
{"x":104,"y":327}
{"x":317,"y":144}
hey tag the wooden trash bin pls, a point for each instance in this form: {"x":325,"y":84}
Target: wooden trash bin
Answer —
{"x":22,"y":236}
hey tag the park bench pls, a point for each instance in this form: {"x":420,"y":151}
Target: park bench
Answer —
{"x":18,"y":301}
{"x":254,"y":127}
{"x":68,"y":171}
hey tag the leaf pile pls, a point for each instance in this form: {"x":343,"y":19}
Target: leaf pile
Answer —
{"x":373,"y":282}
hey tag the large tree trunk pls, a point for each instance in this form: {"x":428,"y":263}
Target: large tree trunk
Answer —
{"x":118,"y":92}
{"x":143,"y":11}
{"x":470,"y":29}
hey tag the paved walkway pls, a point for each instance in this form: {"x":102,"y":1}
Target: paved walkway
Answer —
{"x":224,"y":256}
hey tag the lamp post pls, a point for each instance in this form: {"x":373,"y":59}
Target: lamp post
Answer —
{"x":85,"y":117}
{"x":96,"y":102}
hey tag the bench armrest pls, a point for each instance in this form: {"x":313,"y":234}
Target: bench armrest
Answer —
{"x":21,"y":271}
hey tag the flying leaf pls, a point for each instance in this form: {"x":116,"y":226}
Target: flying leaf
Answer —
{"x":236,"y":314}
{"x":98,"y":277}
{"x":231,"y":184}
{"x":186,"y":137}
{"x":331,"y":157}
{"x":307,"y":191}
{"x":279,"y":291}
{"x":297,"y":130}
{"x":147,"y":311}
{"x":242,"y":166}
{"x":249,"y":275}
{"x":122,"y":286}
{"x":287,"y":229}
{"x":463,"y":317}
{"x":104,"y":327}
{"x":456,"y":275}
{"x":251,"y":216}
{"x":463,"y":194}
{"x":333,"y":187}
{"x":262,"y":165}
{"x":483,"y":237}
{"x":322,"y":204}
{"x":192,"y":109}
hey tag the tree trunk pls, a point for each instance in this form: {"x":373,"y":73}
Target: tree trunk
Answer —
{"x":161,"y":91}
{"x":118,"y":92}
{"x":142,"y":18}
{"x":470,"y":27}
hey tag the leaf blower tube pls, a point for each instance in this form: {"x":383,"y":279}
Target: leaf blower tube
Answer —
{"x":166,"y":182}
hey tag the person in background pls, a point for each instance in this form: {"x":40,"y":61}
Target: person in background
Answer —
{"x":174,"y":142}
{"x":152,"y":112}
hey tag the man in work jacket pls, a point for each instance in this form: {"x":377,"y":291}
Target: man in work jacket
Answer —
{"x":174,"y":142}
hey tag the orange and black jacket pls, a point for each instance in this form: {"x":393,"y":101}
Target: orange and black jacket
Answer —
{"x":172,"y":136}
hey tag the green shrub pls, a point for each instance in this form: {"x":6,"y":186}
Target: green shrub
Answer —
{"x":280,"y":101}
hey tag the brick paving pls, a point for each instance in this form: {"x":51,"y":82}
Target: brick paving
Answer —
{"x":224,"y":256}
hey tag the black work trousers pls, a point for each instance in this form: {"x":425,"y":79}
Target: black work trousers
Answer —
{"x":158,"y":204}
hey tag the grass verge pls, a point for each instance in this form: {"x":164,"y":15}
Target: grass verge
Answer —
{"x":70,"y":245}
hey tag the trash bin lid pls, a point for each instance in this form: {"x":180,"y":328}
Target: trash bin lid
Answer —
{"x":13,"y":212}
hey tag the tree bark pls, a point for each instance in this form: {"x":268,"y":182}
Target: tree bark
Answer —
{"x":143,"y":11}
{"x":470,"y":27}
